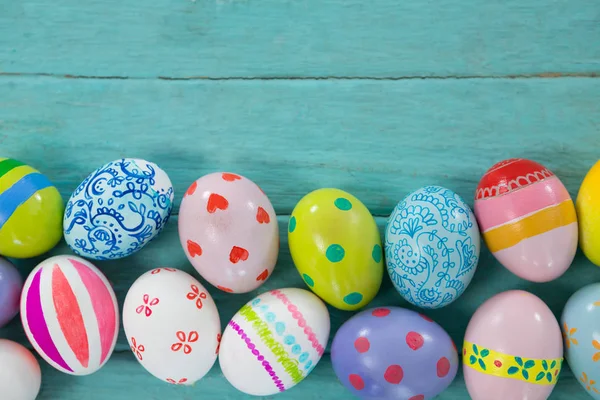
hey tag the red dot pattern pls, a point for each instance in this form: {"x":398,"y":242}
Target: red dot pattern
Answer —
{"x":356,"y":381}
{"x":414,"y":340}
{"x":443,"y":367}
{"x":426,"y":318}
{"x":362,"y":345}
{"x":394,"y":374}
{"x":381,"y":312}
{"x":417,"y":397}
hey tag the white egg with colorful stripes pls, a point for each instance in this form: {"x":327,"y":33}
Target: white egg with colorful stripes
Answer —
{"x":274,"y":341}
{"x":70,"y":314}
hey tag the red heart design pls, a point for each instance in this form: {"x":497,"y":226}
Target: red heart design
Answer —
{"x":263,"y":276}
{"x":237,"y":254}
{"x":225,"y":289}
{"x":230,"y":177}
{"x":192,"y":189}
{"x":194,"y":248}
{"x":262,"y":216}
{"x":216,"y":201}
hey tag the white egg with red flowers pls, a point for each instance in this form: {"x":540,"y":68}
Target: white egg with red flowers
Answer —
{"x":172,"y":325}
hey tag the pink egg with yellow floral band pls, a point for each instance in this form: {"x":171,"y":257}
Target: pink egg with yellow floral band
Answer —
{"x":228,"y":230}
{"x":70,"y":314}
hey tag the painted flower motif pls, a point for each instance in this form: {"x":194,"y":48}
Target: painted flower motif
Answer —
{"x":479,"y":357}
{"x":589,"y":384}
{"x":137,"y":350}
{"x":522,"y":366}
{"x":218,"y":343}
{"x":157,"y":270}
{"x":196,"y":295}
{"x":174,"y":382}
{"x":546,"y":373}
{"x":567,"y":334}
{"x":183,"y":342}
{"x":596,"y":355}
{"x":146,"y":307}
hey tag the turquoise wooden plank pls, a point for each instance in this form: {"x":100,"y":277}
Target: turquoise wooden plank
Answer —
{"x":123,"y":370}
{"x":376,"y":139}
{"x":300,"y":38}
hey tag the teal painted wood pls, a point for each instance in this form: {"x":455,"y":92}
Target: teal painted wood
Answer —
{"x":123,"y":376}
{"x":376,"y":139}
{"x":305,"y":38}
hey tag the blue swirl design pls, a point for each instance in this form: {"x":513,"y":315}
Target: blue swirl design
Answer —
{"x":432,"y":246}
{"x":117,"y":210}
{"x":280,"y":328}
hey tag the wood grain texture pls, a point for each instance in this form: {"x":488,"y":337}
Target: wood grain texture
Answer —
{"x":378,"y":140}
{"x":123,"y":371}
{"x":299,"y":38}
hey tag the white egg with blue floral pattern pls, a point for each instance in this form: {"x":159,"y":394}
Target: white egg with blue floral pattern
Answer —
{"x":118,"y":209}
{"x":432,"y":245}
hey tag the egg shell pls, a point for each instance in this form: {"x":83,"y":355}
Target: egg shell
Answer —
{"x":527,"y":218}
{"x":11,"y":284}
{"x":274,"y":341}
{"x":118,"y":209}
{"x":70,"y":314}
{"x":20,"y":373}
{"x":588,"y":213}
{"x":336,"y":247}
{"x":432,"y":246}
{"x":31,"y":211}
{"x":229,"y":232}
{"x":512,"y":349}
{"x":580,"y":323}
{"x":172,"y":325}
{"x":392,"y":353}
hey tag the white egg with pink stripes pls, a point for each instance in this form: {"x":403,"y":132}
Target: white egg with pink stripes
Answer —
{"x":70,"y":314}
{"x":274,"y":341}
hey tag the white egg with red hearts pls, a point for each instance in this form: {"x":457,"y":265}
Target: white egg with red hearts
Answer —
{"x":172,"y":325}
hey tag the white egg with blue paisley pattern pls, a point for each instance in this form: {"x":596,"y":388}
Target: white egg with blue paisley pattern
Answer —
{"x":118,"y":209}
{"x":432,"y":245}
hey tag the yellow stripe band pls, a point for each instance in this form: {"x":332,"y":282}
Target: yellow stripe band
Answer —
{"x":531,"y":370}
{"x":545,"y":220}
{"x":264,"y":333}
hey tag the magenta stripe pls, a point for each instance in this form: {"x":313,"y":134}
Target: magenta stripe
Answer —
{"x":37,"y":323}
{"x":499,"y":210}
{"x":297,"y":315}
{"x":259,"y":356}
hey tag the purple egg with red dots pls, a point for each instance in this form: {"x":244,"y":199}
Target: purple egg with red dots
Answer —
{"x":393,"y":353}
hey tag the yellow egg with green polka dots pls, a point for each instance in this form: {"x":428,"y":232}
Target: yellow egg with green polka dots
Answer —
{"x":31,"y":211}
{"x":336,"y":247}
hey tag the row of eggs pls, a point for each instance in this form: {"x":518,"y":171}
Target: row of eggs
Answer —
{"x":512,"y":349}
{"x":228,"y":229}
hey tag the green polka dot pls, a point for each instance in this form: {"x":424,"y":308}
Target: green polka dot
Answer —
{"x":353,"y":298}
{"x":309,"y":281}
{"x":376,"y":253}
{"x":343,"y":204}
{"x":292,"y":226}
{"x":335,"y":253}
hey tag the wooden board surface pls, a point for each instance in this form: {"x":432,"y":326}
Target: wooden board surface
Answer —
{"x":374,"y":98}
{"x":299,"y":38}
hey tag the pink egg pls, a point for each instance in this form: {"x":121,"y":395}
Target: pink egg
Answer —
{"x":513,"y":349}
{"x":70,"y":314}
{"x":229,"y":232}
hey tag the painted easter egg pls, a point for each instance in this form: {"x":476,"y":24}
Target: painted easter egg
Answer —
{"x":580,"y":322}
{"x":274,"y":341}
{"x":336,"y":247}
{"x":512,"y":349}
{"x":70,"y":314}
{"x":20,"y":373}
{"x":229,"y":232}
{"x":527,"y":219}
{"x":11,"y":284}
{"x":31,"y":211}
{"x":432,"y":246}
{"x":172,"y":325}
{"x":392,"y":353}
{"x":118,"y":209}
{"x":588,"y":212}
